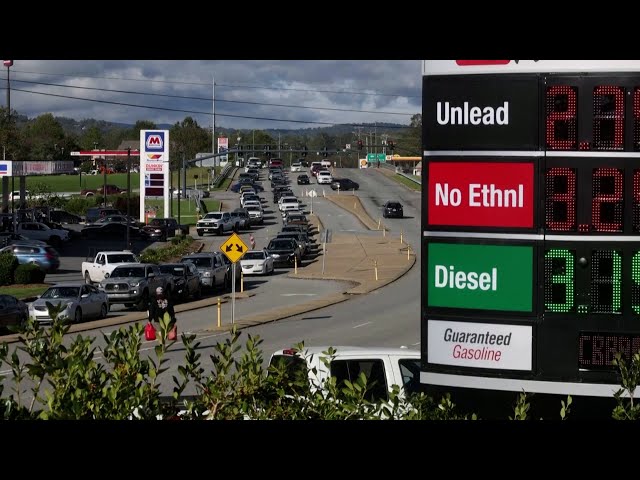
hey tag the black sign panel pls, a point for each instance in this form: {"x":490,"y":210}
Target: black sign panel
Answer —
{"x":487,"y":112}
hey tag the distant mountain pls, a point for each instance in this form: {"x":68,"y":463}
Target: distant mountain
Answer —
{"x":71,"y":125}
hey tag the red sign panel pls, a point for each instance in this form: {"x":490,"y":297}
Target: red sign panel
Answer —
{"x":481,"y":194}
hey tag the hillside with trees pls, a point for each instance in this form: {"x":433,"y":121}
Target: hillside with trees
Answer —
{"x":48,"y":137}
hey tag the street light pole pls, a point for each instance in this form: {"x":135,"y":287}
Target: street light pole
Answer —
{"x":128,"y":246}
{"x":5,"y":180}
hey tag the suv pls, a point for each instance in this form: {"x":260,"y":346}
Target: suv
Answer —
{"x":392,"y":209}
{"x":241,"y":219}
{"x":211,"y":266}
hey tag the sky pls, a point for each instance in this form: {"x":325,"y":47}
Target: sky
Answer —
{"x":336,"y":91}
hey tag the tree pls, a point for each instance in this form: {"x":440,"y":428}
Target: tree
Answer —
{"x":92,"y":138}
{"x":134,"y":133}
{"x":189,"y":138}
{"x":42,"y":137}
{"x":10,"y":138}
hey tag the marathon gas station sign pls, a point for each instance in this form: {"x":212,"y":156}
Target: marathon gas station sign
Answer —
{"x":154,"y":168}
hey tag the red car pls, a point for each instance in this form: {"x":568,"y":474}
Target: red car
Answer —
{"x":105,"y":190}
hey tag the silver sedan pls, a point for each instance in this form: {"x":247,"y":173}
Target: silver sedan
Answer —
{"x":80,"y":301}
{"x":257,"y":262}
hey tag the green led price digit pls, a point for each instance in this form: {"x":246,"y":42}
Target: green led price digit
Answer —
{"x":606,"y":281}
{"x":635,"y":276}
{"x":559,"y":268}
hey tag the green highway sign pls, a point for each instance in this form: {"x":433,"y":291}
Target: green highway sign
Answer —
{"x":376,"y":157}
{"x":480,"y":277}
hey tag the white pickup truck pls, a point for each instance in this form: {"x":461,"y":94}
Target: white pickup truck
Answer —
{"x":387,"y":366}
{"x":96,"y":270}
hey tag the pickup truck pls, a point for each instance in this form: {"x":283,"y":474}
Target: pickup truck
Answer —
{"x":385,"y":366}
{"x":103,"y":190}
{"x":134,"y":283}
{"x":215,"y":222}
{"x":101,"y":266}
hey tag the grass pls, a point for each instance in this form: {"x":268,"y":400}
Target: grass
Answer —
{"x":72,"y":183}
{"x":407,"y":182}
{"x":188,"y":214}
{"x":23,"y":291}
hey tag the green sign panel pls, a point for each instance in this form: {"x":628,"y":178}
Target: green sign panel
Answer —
{"x":376,"y":157}
{"x":480,"y":277}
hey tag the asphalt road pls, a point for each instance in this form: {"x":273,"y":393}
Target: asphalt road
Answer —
{"x":386,"y":317}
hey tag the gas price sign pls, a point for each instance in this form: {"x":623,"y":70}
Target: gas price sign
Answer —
{"x":531,"y":160}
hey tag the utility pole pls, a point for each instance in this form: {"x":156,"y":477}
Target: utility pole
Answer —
{"x":128,"y":246}
{"x":213,"y":126}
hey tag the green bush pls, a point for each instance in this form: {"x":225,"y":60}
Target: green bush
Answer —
{"x":179,"y":246}
{"x":28,"y":274}
{"x":79,"y":205}
{"x":8,"y":266}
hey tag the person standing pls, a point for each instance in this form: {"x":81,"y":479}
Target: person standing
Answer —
{"x":252,"y":241}
{"x":159,"y":305}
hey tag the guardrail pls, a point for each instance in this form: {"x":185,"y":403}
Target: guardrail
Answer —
{"x":410,"y":177}
{"x":395,"y":169}
{"x":217,"y":181}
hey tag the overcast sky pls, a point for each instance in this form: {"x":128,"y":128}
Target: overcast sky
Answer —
{"x":391,"y":89}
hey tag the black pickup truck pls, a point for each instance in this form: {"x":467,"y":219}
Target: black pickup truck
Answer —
{"x":163,"y":228}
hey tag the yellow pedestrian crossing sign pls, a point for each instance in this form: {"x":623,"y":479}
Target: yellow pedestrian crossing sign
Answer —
{"x":234,"y":248}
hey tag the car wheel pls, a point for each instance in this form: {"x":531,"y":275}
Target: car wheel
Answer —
{"x":200,"y":233}
{"x":87,"y":278}
{"x":77,"y":318}
{"x":104,"y":310}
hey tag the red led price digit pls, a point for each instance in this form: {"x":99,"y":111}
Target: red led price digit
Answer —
{"x":561,"y":115}
{"x":608,"y":117}
{"x":636,"y":200}
{"x":560,"y":203}
{"x":636,"y":118}
{"x":606,"y":203}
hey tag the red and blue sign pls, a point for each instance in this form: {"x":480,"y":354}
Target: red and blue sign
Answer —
{"x":4,"y":169}
{"x":154,"y":141}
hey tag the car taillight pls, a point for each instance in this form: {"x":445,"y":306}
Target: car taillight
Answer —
{"x":49,"y":256}
{"x":289,"y":351}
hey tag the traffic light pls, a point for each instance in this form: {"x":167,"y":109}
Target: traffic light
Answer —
{"x":304,"y":153}
{"x":391,"y":145}
{"x":324,"y":152}
{"x":359,"y":144}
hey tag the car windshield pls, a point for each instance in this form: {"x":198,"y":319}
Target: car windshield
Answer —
{"x":122,"y":258}
{"x":393,"y":205}
{"x":281,"y":244}
{"x":198,"y":261}
{"x":156,"y":223}
{"x":172,"y":269}
{"x":61,"y":292}
{"x":214,"y":216}
{"x":253,"y":208}
{"x":128,"y":272}
{"x":258,"y":255}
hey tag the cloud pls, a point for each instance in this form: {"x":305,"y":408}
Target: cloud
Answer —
{"x":336,"y":91}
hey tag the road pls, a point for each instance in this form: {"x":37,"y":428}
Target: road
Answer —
{"x":389,"y":316}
